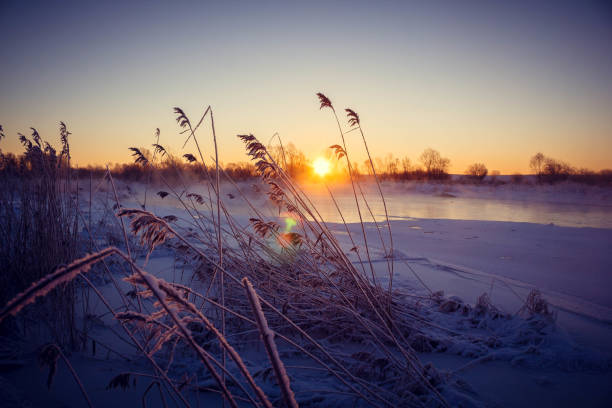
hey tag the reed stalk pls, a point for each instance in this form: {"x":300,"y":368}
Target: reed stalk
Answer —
{"x":267,"y":336}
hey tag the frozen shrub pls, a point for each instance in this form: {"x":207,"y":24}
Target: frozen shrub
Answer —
{"x":451,"y":305}
{"x":536,"y":304}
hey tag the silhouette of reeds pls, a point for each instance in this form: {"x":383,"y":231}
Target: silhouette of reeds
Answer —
{"x":301,"y":285}
{"x":39,"y":230}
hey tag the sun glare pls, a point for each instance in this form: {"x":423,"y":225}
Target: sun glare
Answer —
{"x":321,"y":166}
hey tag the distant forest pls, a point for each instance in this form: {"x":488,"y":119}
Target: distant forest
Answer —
{"x":154,"y":164}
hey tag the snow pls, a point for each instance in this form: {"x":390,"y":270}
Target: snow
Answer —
{"x":573,"y":264}
{"x":463,"y":240}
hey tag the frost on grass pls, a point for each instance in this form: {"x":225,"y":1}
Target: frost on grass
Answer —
{"x":315,"y":327}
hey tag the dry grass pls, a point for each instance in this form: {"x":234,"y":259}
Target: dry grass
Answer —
{"x":305,"y":297}
{"x":38,"y":230}
{"x":267,"y":337}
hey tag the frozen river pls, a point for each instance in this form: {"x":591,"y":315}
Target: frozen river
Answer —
{"x":564,"y":208}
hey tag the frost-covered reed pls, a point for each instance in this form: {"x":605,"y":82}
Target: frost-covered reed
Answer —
{"x":298,"y":291}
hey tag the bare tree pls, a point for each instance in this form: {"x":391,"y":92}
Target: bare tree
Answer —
{"x":391,"y":166}
{"x":556,"y":170}
{"x":477,"y":172}
{"x":379,"y":165}
{"x":406,"y":166}
{"x":550,"y":170}
{"x":436,"y":166}
{"x":537,"y":164}
{"x":356,"y":170}
{"x":368,"y":168}
{"x":290,"y":158}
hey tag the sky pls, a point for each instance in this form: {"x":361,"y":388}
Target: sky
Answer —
{"x":491,"y":82}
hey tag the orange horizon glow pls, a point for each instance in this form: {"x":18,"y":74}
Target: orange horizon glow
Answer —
{"x":479,"y":83}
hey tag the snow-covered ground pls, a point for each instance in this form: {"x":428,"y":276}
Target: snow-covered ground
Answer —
{"x":464,"y":240}
{"x":572,"y":267}
{"x":490,"y":252}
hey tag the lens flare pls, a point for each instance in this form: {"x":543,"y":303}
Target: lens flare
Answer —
{"x":289,"y":224}
{"x":321,"y":166}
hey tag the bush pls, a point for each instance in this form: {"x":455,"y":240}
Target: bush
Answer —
{"x":549,"y":170}
{"x":477,"y":172}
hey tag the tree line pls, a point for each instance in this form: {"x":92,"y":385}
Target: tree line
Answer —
{"x":431,"y":165}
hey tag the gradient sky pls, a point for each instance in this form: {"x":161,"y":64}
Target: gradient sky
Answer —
{"x":490,"y":82}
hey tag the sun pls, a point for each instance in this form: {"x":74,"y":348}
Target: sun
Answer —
{"x":321,"y":166}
